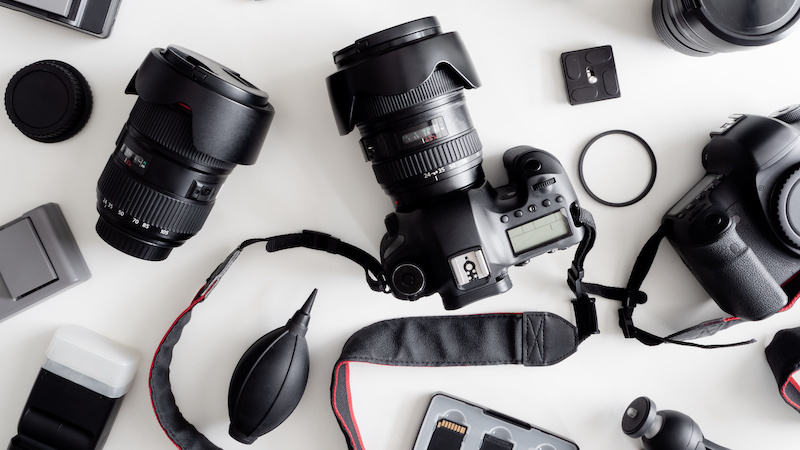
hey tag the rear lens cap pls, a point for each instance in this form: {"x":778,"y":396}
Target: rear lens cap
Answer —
{"x":48,"y":101}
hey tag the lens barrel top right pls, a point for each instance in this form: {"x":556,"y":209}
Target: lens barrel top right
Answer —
{"x":706,"y":27}
{"x":403,"y":88}
{"x":193,"y":122}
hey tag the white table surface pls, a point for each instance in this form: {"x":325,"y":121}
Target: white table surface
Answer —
{"x":310,"y":177}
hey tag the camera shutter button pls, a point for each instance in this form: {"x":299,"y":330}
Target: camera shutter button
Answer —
{"x":790,"y":114}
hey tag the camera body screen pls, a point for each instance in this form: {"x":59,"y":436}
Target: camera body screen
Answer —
{"x":549,"y":228}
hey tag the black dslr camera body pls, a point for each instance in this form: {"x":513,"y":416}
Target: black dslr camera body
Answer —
{"x":451,"y":232}
{"x":463,"y":245}
{"x":738,"y":229}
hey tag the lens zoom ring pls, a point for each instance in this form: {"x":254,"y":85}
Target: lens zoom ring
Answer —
{"x":373,"y":106}
{"x":171,"y":129}
{"x":149,"y":205}
{"x":428,"y":160}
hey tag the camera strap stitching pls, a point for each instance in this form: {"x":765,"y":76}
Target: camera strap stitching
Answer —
{"x":530,"y":339}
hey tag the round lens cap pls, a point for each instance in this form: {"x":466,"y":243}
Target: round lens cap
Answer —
{"x":753,"y":17}
{"x":48,"y":101}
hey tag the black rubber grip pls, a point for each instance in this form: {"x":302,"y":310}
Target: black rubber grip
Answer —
{"x":734,"y":277}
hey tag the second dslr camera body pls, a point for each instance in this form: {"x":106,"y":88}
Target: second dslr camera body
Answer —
{"x":451,"y":232}
{"x":738,"y":229}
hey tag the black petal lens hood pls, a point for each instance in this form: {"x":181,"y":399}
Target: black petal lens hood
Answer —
{"x":230,"y":116}
{"x":395,"y":61}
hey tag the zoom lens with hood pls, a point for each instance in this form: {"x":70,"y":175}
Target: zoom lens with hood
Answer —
{"x":193,"y":122}
{"x":404,"y":89}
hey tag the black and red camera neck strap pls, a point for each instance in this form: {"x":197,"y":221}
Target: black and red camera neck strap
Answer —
{"x":531,"y":339}
{"x":632,"y":296}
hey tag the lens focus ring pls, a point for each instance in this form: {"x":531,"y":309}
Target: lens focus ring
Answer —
{"x":150,"y":206}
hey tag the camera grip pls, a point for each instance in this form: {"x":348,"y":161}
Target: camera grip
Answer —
{"x":733,"y":275}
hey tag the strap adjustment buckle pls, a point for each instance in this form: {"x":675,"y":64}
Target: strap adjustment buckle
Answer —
{"x":584,"y":306}
{"x":574,"y":281}
{"x":626,"y":322}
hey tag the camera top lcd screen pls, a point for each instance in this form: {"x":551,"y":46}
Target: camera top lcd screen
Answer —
{"x":544,"y":230}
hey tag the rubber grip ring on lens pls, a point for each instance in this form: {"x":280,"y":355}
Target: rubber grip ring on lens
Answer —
{"x":652,"y":172}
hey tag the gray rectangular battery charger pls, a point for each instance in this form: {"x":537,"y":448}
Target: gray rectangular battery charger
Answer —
{"x":38,"y":258}
{"x":95,"y":17}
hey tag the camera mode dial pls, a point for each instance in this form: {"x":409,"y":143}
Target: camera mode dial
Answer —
{"x":787,"y":206}
{"x":789,"y":114}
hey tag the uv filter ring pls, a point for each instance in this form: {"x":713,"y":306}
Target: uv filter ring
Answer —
{"x":653,"y":170}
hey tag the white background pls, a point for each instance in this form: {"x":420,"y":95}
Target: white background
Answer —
{"x":310,"y":177}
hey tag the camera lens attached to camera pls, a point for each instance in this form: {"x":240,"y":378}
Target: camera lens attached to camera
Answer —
{"x":452,"y":232}
{"x":403,"y":88}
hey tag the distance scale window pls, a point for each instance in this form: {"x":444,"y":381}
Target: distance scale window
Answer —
{"x":137,"y":161}
{"x":423,"y":133}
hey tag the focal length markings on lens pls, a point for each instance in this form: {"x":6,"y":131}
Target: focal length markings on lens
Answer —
{"x":134,"y":221}
{"x":130,"y":201}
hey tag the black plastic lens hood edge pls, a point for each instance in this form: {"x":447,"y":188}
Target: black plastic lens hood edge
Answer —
{"x":221,"y":127}
{"x":382,"y":75}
